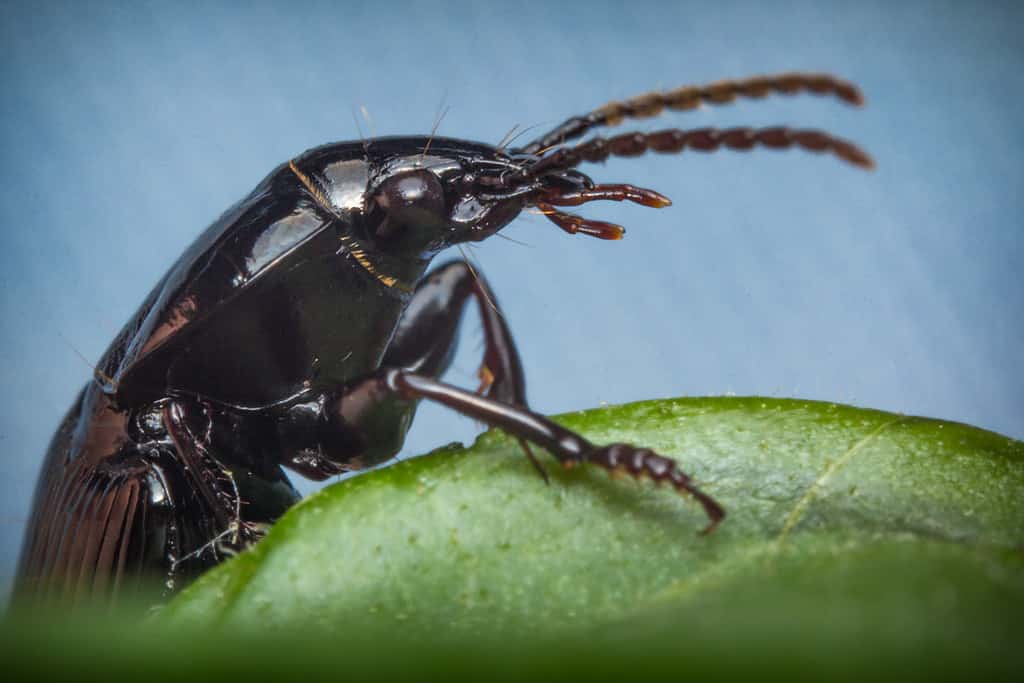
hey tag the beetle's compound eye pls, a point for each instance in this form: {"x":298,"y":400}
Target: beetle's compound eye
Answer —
{"x":410,"y":201}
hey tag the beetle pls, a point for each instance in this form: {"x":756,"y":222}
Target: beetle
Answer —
{"x":302,"y":328}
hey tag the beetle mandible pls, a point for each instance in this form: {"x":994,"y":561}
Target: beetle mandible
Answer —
{"x":302,"y":328}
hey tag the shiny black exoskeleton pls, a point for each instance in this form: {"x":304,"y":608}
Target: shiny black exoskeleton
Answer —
{"x":302,"y":328}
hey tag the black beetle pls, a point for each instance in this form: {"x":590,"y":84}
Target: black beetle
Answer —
{"x":302,"y":328}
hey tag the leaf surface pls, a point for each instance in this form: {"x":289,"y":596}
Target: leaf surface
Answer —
{"x":846,"y":528}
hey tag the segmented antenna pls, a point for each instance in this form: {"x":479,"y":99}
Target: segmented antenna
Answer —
{"x":675,"y":140}
{"x":692,"y":96}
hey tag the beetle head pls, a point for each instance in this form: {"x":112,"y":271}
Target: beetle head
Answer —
{"x":421,"y":210}
{"x":458,"y":191}
{"x":414,"y":196}
{"x":452,"y":192}
{"x":423,"y":194}
{"x":402,"y":200}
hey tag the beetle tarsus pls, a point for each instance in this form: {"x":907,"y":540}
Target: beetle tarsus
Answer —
{"x":644,"y":462}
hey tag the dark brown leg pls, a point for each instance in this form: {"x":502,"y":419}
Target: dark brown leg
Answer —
{"x":425,"y":340}
{"x":359,"y":425}
{"x":426,"y":336}
{"x":568,"y":447}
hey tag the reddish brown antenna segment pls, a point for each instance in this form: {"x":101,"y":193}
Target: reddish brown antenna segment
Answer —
{"x":675,"y":140}
{"x":692,"y":96}
{"x":554,"y":178}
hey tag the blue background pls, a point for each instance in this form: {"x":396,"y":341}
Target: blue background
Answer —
{"x":126,"y":128}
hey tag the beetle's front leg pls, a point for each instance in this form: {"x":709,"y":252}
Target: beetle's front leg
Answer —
{"x":318,"y":445}
{"x":568,"y":447}
{"x":425,"y":340}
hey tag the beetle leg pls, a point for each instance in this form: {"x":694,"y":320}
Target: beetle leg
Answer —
{"x":569,"y":448}
{"x":221,"y":486}
{"x":425,"y":339}
{"x":190,"y":432}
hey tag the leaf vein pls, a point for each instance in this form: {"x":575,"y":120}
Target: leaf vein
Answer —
{"x":814,"y":489}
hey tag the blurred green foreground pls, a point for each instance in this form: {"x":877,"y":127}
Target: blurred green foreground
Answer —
{"x":858,"y":543}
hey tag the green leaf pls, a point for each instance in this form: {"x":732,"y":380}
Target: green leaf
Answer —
{"x":857,"y":543}
{"x":844,"y":525}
